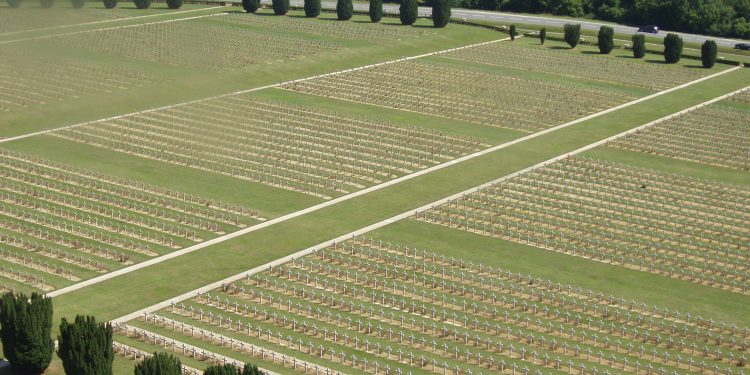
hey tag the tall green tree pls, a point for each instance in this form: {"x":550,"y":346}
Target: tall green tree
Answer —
{"x":312,"y":8}
{"x":174,"y":4}
{"x":85,"y":346}
{"x":606,"y":39}
{"x":572,"y":34}
{"x":110,"y":4}
{"x":142,"y":4}
{"x":672,"y":48}
{"x":543,"y":35}
{"x":408,"y":12}
{"x":26,"y":332}
{"x":708,"y":54}
{"x":376,"y":10}
{"x":344,"y":10}
{"x":441,"y":12}
{"x":251,"y":6}
{"x":280,"y":7}
{"x":222,"y":370}
{"x":512,"y":32}
{"x":251,"y":369}
{"x":639,"y":46}
{"x":14,"y":3}
{"x":161,"y":363}
{"x":77,"y":4}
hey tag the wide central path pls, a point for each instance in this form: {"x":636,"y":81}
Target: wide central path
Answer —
{"x":118,"y":296}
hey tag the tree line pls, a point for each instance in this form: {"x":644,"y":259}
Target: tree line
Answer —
{"x":84,"y":345}
{"x":729,"y":18}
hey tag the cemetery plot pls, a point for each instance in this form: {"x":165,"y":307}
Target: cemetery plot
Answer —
{"x":60,"y":225}
{"x":288,"y":146}
{"x":205,"y":43}
{"x":682,"y":227}
{"x":370,"y":32}
{"x":30,"y":78}
{"x":743,"y":97}
{"x":14,"y":20}
{"x":488,"y":98}
{"x":564,"y":62}
{"x":390,"y":309}
{"x":713,"y":135}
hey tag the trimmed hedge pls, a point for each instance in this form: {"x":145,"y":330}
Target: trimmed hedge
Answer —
{"x":708,"y":54}
{"x":512,"y":32}
{"x":606,"y":39}
{"x":161,"y":363}
{"x":142,"y":4}
{"x":344,"y":10}
{"x":572,"y":34}
{"x":174,"y":4}
{"x":441,"y":12}
{"x":543,"y":35}
{"x":280,"y":7}
{"x":639,"y":46}
{"x":376,"y":10}
{"x":251,"y":6}
{"x":110,"y":4}
{"x":672,"y":48}
{"x":312,"y":8}
{"x":408,"y":12}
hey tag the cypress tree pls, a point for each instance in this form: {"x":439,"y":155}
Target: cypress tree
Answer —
{"x":109,"y":4}
{"x":312,"y":8}
{"x":512,"y":32}
{"x":672,"y":48}
{"x":25,"y":333}
{"x":142,"y":4}
{"x":85,"y":347}
{"x":46,"y":3}
{"x":77,"y":4}
{"x":708,"y":54}
{"x":344,"y":10}
{"x":251,"y":369}
{"x":408,"y":12}
{"x":639,"y":46}
{"x":161,"y":363}
{"x":222,"y":370}
{"x":441,"y":12}
{"x":376,"y":10}
{"x":572,"y":34}
{"x":543,"y":35}
{"x":606,"y":39}
{"x":250,"y":6}
{"x":14,"y":3}
{"x":280,"y":7}
{"x":174,"y":4}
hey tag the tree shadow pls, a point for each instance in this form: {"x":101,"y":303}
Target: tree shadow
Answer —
{"x":653,"y":61}
{"x":558,"y":47}
{"x":590,"y":52}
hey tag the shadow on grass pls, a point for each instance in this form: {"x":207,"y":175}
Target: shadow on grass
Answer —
{"x":558,"y":47}
{"x":590,"y":53}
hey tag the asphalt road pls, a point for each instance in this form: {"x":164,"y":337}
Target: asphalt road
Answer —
{"x":528,"y":19}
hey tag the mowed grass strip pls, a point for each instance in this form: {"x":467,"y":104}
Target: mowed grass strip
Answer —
{"x":130,"y":292}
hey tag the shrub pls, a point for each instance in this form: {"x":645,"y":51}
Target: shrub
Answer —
{"x":512,"y":32}
{"x":344,"y":10}
{"x":312,"y":8}
{"x":606,"y":40}
{"x":708,"y":54}
{"x":25,"y":332}
{"x":408,"y":12}
{"x":672,"y":48}
{"x":161,"y":363}
{"x":85,"y":347}
{"x":174,"y":4}
{"x":280,"y":7}
{"x":251,"y":6}
{"x":251,"y":369}
{"x":77,"y":4}
{"x":222,"y":370}
{"x":14,"y":3}
{"x":46,"y":3}
{"x":441,"y":12}
{"x":639,"y":46}
{"x":142,"y":4}
{"x":543,"y":35}
{"x":376,"y":10}
{"x":109,"y":4}
{"x":572,"y":34}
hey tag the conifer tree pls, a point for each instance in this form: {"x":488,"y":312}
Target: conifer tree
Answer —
{"x":280,"y":7}
{"x":441,"y":12}
{"x":250,"y":6}
{"x":174,"y":4}
{"x":572,"y":34}
{"x":543,"y":35}
{"x":512,"y":32}
{"x":708,"y":54}
{"x":110,"y":4}
{"x":77,"y":4}
{"x":25,"y":332}
{"x":227,"y":369}
{"x":312,"y":8}
{"x":408,"y":12}
{"x":161,"y":363}
{"x":85,"y":346}
{"x":142,"y":4}
{"x":376,"y":10}
{"x":606,"y":39}
{"x":344,"y":10}
{"x":639,"y":46}
{"x":672,"y":48}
